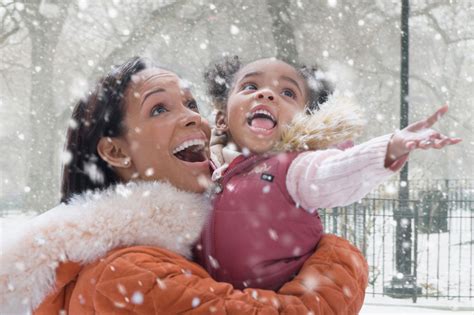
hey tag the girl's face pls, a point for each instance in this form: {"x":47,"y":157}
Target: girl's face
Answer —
{"x":265,"y":97}
{"x":166,"y":137}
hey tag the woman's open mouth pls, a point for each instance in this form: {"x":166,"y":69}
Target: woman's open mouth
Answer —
{"x":191,"y":151}
{"x":261,"y":121}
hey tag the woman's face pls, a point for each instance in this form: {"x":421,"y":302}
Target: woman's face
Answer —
{"x":166,"y":137}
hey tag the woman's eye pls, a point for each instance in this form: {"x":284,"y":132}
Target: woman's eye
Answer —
{"x":249,"y":87}
{"x":192,"y":105}
{"x":289,"y":93}
{"x":158,"y":109}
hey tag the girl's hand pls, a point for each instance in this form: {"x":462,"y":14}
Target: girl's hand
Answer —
{"x":418,"y":135}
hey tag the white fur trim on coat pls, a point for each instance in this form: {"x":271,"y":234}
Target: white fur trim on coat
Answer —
{"x":92,"y":224}
{"x":337,"y":120}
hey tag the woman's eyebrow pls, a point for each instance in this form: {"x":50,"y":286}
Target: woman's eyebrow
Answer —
{"x":150,"y":93}
{"x":284,"y":77}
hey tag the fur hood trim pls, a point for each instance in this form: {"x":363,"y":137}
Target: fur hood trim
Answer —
{"x":337,"y":120}
{"x":92,"y":224}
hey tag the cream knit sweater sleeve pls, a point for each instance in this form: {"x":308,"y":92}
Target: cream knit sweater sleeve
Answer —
{"x":332,"y":178}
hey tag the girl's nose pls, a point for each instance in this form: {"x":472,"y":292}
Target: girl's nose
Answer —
{"x":266,"y":94}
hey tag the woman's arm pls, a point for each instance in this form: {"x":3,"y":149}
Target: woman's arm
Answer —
{"x":156,"y":281}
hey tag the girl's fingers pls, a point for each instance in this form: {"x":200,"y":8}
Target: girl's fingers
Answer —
{"x":439,"y":143}
{"x":425,"y":144}
{"x":428,"y":122}
{"x":437,"y":115}
{"x":436,"y":135}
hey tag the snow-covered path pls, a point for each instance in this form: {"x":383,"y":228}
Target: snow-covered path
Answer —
{"x":386,"y":305}
{"x":408,"y":310}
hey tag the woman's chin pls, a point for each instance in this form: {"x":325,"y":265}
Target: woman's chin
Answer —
{"x":197,"y":177}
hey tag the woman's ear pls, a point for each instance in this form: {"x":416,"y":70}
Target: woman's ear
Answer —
{"x":221,"y":122}
{"x":111,"y":150}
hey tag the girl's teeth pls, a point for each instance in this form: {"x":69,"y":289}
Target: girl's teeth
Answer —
{"x":262,"y":111}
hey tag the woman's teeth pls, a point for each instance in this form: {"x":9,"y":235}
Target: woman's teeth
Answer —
{"x":196,"y":142}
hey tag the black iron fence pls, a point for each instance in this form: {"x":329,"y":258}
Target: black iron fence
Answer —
{"x":442,"y":216}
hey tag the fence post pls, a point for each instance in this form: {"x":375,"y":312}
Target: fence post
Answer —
{"x":403,"y":284}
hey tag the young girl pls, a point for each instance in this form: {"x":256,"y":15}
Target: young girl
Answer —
{"x":264,"y":224}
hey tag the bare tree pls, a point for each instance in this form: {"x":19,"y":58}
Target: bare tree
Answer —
{"x":282,"y":29}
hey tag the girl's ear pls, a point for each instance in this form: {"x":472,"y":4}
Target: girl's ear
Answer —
{"x":221,"y":122}
{"x":111,"y":150}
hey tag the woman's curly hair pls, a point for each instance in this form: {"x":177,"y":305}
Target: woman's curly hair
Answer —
{"x":219,"y":78}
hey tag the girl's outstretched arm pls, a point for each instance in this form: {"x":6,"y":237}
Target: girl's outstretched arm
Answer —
{"x":332,"y":178}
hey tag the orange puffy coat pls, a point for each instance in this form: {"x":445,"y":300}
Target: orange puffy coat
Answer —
{"x":122,"y":251}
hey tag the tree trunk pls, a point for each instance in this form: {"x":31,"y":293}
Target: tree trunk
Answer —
{"x":282,"y":30}
{"x":43,"y":168}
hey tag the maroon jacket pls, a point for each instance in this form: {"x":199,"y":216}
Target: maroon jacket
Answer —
{"x":257,"y":236}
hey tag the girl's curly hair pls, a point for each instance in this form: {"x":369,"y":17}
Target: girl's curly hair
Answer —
{"x":219,"y":78}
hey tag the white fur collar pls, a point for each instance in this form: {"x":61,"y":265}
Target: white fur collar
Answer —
{"x":339,"y":119}
{"x":145,"y":213}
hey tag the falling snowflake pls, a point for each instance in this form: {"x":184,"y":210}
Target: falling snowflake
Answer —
{"x":121,"y":289}
{"x":112,"y":12}
{"x":214,"y":262}
{"x":273,"y":234}
{"x":137,"y":298}
{"x":195,"y":302}
{"x":161,"y":284}
{"x":66,"y":157}
{"x":347,"y":291}
{"x":82,"y":4}
{"x":149,"y":171}
{"x":310,"y":283}
{"x":81,"y":298}
{"x":234,"y":30}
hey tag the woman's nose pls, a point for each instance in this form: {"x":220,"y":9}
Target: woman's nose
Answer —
{"x":191,"y":118}
{"x":266,"y":94}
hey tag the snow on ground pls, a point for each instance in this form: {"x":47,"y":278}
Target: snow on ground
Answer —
{"x":386,"y":305}
{"x":444,"y":260}
{"x":411,"y":310}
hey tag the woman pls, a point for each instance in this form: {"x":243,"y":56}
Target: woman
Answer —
{"x":139,"y":141}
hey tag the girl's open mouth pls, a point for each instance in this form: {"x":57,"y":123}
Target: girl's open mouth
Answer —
{"x":261,"y":120}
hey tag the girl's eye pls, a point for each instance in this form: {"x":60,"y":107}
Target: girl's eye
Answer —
{"x":289,"y":93}
{"x":192,"y":105}
{"x":158,"y":110}
{"x":249,"y":87}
